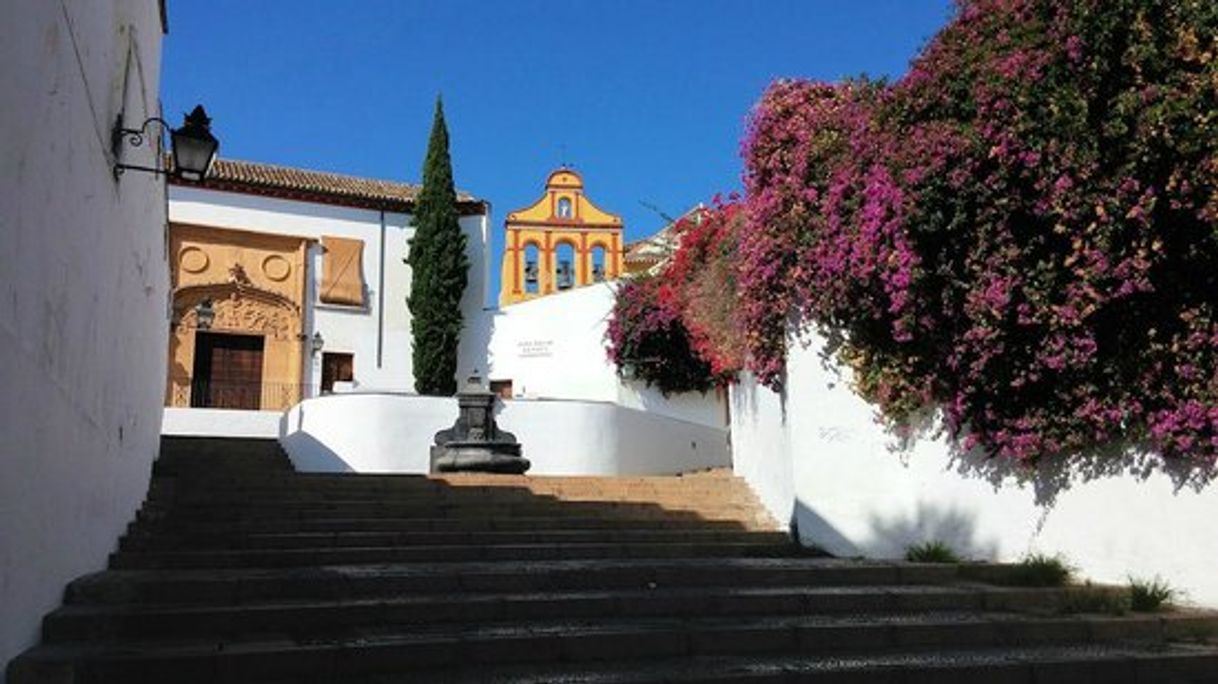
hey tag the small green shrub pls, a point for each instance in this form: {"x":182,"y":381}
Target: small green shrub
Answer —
{"x":1040,"y":570}
{"x":933,"y":551}
{"x":1150,"y":595}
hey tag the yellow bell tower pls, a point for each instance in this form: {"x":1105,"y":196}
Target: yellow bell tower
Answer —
{"x":560,"y":242}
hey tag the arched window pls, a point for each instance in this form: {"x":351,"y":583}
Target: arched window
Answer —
{"x":598,"y":264}
{"x":564,"y":274}
{"x":565,"y":208}
{"x":531,"y":268}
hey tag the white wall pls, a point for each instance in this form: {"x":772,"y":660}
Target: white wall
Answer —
{"x":554,"y":347}
{"x":83,"y":295}
{"x":394,"y":432}
{"x":857,"y":491}
{"x":379,"y":333}
{"x":204,"y":422}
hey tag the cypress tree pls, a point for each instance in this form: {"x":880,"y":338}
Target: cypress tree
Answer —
{"x":439,"y":270}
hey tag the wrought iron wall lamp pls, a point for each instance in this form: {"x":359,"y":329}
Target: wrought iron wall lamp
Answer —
{"x":194,"y":147}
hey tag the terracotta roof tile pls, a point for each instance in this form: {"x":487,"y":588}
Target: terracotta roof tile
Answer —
{"x":318,"y":186}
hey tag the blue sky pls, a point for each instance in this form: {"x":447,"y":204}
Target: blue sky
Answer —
{"x":647,"y":97}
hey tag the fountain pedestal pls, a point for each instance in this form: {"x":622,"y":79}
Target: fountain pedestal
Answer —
{"x":475,"y":443}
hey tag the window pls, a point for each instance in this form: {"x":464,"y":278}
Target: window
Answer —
{"x":336,"y":367}
{"x":564,"y":207}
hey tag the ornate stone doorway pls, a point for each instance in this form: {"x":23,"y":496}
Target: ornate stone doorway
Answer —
{"x":252,"y":354}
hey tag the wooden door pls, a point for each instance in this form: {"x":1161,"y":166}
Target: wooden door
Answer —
{"x":228,"y":371}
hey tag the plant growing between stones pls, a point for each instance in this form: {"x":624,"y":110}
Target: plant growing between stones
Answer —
{"x":934,"y":551}
{"x":1150,"y":595}
{"x":1040,"y":570}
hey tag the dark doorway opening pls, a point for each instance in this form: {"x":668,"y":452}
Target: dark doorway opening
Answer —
{"x":502,"y":388}
{"x":227,"y":371}
{"x":336,"y":368}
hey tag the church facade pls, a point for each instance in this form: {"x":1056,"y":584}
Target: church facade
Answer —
{"x":560,"y":242}
{"x":289,"y":283}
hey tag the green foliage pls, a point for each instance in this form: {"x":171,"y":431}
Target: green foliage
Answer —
{"x":439,"y":270}
{"x":1040,"y":570}
{"x":934,"y":551}
{"x":1150,"y":595}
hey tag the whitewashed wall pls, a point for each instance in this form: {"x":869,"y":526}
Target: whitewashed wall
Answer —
{"x":554,"y":347}
{"x":379,"y":333}
{"x":393,"y":433}
{"x":206,"y":422}
{"x":854,"y":490}
{"x":83,"y":295}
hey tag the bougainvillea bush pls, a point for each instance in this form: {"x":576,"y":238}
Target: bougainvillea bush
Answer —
{"x":648,"y":340}
{"x":1022,"y":230}
{"x":701,"y":278}
{"x":680,"y":329}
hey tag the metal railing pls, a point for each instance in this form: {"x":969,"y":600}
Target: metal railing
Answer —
{"x":250,"y":396}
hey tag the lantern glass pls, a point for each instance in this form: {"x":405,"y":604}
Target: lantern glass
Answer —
{"x":194,"y":147}
{"x":205,"y":315}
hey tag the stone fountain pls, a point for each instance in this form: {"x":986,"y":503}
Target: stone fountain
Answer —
{"x":475,"y":443}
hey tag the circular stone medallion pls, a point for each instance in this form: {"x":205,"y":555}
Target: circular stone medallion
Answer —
{"x":193,"y":260}
{"x":276,"y":267}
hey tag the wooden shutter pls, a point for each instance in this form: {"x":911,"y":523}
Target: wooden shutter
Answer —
{"x":342,"y":271}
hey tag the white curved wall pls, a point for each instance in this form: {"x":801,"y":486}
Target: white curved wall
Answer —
{"x":392,"y":433}
{"x":553,"y":347}
{"x":820,"y":458}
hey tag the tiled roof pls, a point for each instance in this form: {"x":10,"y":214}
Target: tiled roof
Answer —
{"x":318,"y":186}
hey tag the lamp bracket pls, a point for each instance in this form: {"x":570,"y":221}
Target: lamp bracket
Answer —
{"x":134,"y":138}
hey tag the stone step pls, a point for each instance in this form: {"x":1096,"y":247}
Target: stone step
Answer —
{"x":300,"y":557}
{"x":398,"y":510}
{"x":220,"y":479}
{"x":276,"y":478}
{"x":246,"y":585}
{"x":1090,"y":664}
{"x":284,"y":526}
{"x":202,"y":498}
{"x":343,"y":652}
{"x":239,"y":570}
{"x":304,"y":540}
{"x":191,"y":456}
{"x":101,"y":621}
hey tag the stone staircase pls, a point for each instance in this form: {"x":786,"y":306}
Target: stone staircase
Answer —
{"x":238,"y":569}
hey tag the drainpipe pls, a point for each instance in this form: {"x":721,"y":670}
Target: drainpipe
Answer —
{"x":380,"y":300}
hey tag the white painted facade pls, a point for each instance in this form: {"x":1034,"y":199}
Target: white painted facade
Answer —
{"x":818,"y":457}
{"x":84,"y":285}
{"x":377,"y":334}
{"x":209,"y":422}
{"x":393,"y":433}
{"x":553,"y":347}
